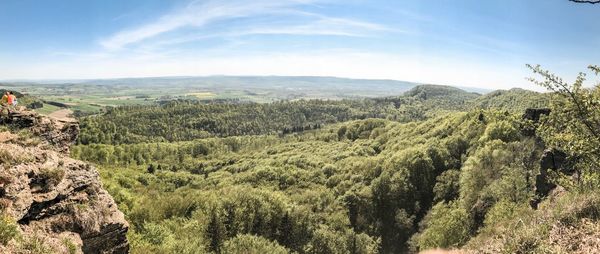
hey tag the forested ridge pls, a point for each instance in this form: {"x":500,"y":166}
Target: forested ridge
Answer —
{"x":182,"y":120}
{"x":434,"y":168}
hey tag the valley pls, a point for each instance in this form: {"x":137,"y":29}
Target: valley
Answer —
{"x":429,"y":168}
{"x":432,"y":167}
{"x":299,"y":127}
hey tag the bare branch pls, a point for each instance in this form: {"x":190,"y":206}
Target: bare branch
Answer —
{"x":586,"y":1}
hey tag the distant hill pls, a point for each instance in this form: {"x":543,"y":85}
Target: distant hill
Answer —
{"x":516,"y":100}
{"x":383,"y":86}
{"x":253,"y":88}
{"x":276,"y":87}
{"x":184,"y":120}
{"x":87,"y":97}
{"x":436,"y":91}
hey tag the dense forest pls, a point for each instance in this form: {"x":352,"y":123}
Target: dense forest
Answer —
{"x":299,"y":127}
{"x":366,"y":176}
{"x":356,"y":187}
{"x":182,"y":120}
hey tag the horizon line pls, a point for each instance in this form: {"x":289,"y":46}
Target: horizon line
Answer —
{"x":79,"y":80}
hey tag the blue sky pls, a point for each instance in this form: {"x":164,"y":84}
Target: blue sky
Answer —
{"x":456,"y":42}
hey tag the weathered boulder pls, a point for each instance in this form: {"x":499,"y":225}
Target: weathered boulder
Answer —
{"x":55,"y":197}
{"x":59,"y":134}
{"x":555,"y":160}
{"x":533,"y":115}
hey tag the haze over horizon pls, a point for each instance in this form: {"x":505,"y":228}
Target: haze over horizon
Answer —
{"x":466,"y":43}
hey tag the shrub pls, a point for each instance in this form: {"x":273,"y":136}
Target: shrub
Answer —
{"x":503,"y":211}
{"x":51,"y":177}
{"x":326,"y":240}
{"x":251,"y":244}
{"x":8,"y":229}
{"x":514,"y":228}
{"x":155,"y":234}
{"x":8,"y":158}
{"x":70,"y":246}
{"x":34,"y":245}
{"x":501,"y":130}
{"x":362,"y":243}
{"x":446,"y":225}
{"x":447,"y":186}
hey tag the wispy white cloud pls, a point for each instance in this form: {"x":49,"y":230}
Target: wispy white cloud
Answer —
{"x":201,"y":15}
{"x":152,"y":49}
{"x":198,"y":14}
{"x":323,"y":26}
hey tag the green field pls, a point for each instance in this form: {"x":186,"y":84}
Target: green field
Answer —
{"x":89,"y":96}
{"x":93,"y":103}
{"x":47,"y":109}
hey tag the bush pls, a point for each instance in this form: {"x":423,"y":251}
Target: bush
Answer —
{"x":251,"y":244}
{"x":446,"y":226}
{"x":51,"y":177}
{"x":34,"y":245}
{"x":503,"y":211}
{"x":70,"y":246}
{"x":501,"y":130}
{"x":362,"y":243}
{"x":514,"y":228}
{"x":447,"y":186}
{"x":8,"y":229}
{"x":327,"y":241}
{"x":155,"y":234}
{"x":9,"y":159}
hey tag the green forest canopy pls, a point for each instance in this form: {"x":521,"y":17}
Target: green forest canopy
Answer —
{"x":189,"y":120}
{"x":433,"y":168}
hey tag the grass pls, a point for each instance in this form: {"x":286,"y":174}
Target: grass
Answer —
{"x":47,"y":109}
{"x":202,"y":95}
{"x":542,"y":230}
{"x":89,"y":98}
{"x":34,"y":245}
{"x":9,"y":159}
{"x":8,"y":229}
{"x":53,"y":176}
{"x":6,"y":157}
{"x":92,"y":103}
{"x":71,"y":247}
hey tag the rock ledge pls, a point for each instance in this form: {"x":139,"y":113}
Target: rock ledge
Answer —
{"x":51,"y":196}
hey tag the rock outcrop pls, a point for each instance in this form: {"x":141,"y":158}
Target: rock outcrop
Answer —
{"x":52,"y":197}
{"x":533,"y":115}
{"x":60,"y":135}
{"x":551,"y":160}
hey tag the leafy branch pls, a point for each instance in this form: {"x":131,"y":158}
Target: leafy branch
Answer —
{"x":573,"y":92}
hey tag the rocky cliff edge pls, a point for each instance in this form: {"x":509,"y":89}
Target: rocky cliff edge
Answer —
{"x":51,"y":203}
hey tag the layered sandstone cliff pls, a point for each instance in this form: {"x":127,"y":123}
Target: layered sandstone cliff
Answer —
{"x":54,"y":200}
